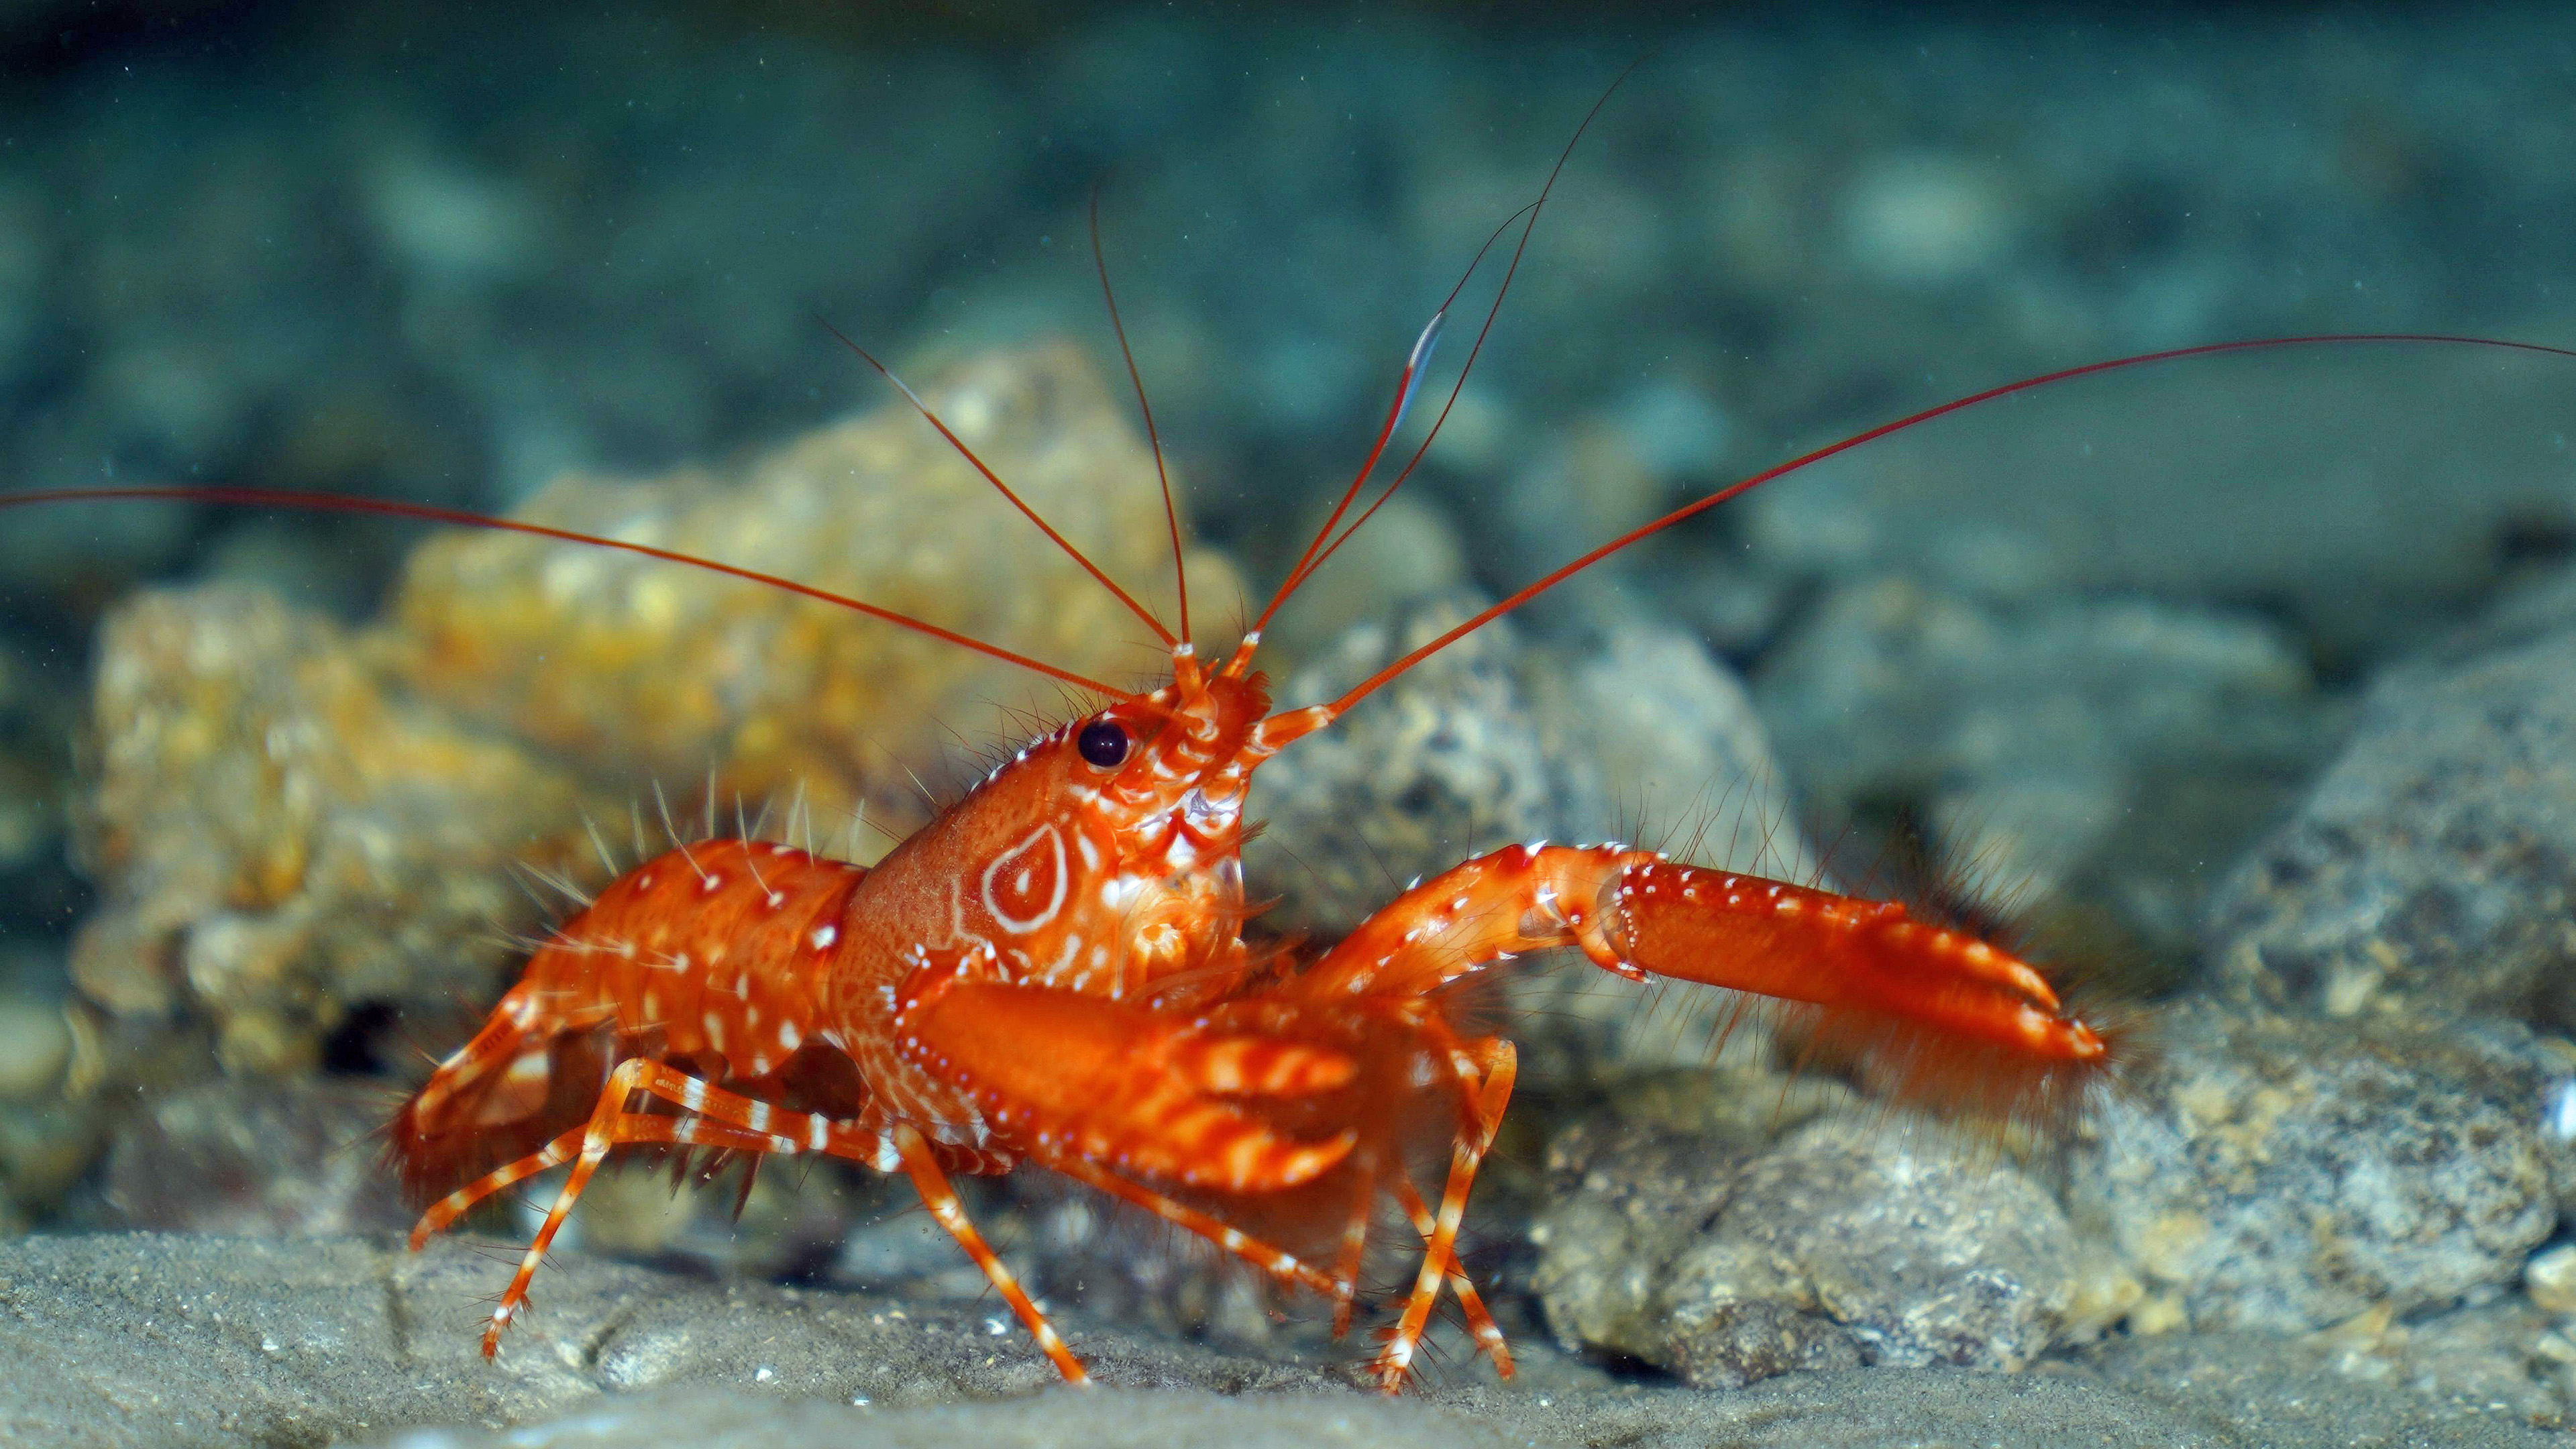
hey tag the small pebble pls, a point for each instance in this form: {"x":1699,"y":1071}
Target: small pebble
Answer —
{"x":2551,"y":1278}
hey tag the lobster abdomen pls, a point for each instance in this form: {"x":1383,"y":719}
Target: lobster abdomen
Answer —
{"x":708,"y":954}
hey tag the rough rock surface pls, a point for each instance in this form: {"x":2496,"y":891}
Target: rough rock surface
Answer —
{"x":2433,"y":869}
{"x":2289,"y":1173}
{"x":279,"y":838}
{"x":212,"y":1343}
{"x":1728,"y":1258}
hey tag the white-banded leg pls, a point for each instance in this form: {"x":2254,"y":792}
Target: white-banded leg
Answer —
{"x":611,"y":1125}
{"x":941,"y":1199}
{"x":1281,"y":1266}
{"x":1480,"y":1320}
{"x":1355,"y":1231}
{"x":1492,"y":1064}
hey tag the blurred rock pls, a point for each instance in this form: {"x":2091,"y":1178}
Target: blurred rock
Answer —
{"x":257,"y":1158}
{"x":2204,"y":481}
{"x":279,"y":839}
{"x":44,"y":1149}
{"x":1409,"y":550}
{"x":1729,"y":1259}
{"x":2078,"y":755}
{"x":2498,"y":1354}
{"x":2433,"y":868}
{"x":2287,"y":1174}
{"x":35,"y":1046}
{"x":2550,"y":1278}
{"x":1926,"y":219}
{"x":642,"y":669}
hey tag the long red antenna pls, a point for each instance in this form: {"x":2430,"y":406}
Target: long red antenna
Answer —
{"x":1584,"y":561}
{"x":967,"y":453}
{"x":1153,"y":436}
{"x":335,"y":503}
{"x":1324,"y":543}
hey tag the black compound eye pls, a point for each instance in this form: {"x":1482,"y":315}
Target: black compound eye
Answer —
{"x":1103,"y":743}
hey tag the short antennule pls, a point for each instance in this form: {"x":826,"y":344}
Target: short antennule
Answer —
{"x":1325,"y":542}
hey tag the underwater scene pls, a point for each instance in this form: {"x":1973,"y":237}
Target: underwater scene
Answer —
{"x":589,"y":588}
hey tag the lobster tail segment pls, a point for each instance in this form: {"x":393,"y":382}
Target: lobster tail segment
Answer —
{"x":1947,"y":1022}
{"x":501,"y":1096}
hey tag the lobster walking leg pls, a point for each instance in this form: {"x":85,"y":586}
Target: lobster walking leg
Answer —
{"x":1471,"y":1304}
{"x":1480,"y":1319}
{"x":941,"y":1199}
{"x":610,"y":1125}
{"x":901,"y":1147}
{"x":725,"y":1120}
{"x":1493,"y":1065}
{"x":1346,"y":1264}
{"x":1281,"y":1266}
{"x":441,"y":1214}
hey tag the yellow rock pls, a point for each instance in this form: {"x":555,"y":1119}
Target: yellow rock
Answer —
{"x":290,"y":819}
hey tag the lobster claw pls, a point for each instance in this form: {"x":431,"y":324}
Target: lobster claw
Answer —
{"x":1120,"y":1083}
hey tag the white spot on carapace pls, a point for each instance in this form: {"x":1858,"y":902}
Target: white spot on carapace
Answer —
{"x":824,"y":936}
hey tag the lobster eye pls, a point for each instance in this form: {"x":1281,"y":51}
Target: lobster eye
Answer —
{"x":1103,"y":743}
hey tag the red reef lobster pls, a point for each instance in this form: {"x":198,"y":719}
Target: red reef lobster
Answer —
{"x":1054,"y":972}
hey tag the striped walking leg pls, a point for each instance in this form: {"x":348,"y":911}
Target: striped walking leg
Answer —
{"x":941,"y":1199}
{"x":1284,"y":1267}
{"x":1493,"y":1062}
{"x":900,"y":1147}
{"x":1480,"y":1320}
{"x":611,"y":1125}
